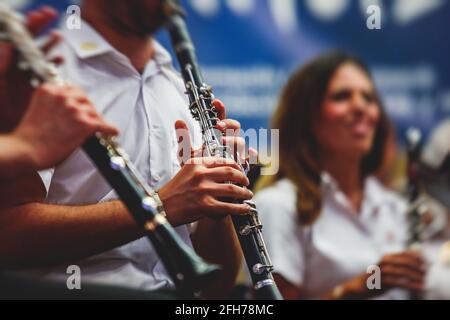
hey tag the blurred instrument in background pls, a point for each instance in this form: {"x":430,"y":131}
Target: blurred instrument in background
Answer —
{"x":417,"y":206}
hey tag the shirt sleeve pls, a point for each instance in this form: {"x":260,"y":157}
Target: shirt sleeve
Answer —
{"x":282,"y":234}
{"x":110,"y":196}
{"x":46,"y":177}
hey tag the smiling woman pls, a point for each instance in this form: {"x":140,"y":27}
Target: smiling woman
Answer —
{"x":326,"y":218}
{"x":328,"y":110}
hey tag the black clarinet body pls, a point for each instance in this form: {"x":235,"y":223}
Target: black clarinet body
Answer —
{"x":248,"y":227}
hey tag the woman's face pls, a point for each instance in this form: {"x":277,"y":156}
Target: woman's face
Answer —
{"x":349,"y":114}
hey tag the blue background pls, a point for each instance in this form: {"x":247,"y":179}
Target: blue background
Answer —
{"x":247,"y":57}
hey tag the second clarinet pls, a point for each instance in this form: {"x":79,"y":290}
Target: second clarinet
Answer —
{"x":248,"y":227}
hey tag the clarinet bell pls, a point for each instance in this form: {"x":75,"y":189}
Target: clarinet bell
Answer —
{"x":201,"y":277}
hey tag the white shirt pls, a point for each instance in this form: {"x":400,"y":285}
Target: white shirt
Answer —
{"x":340,"y":244}
{"x":144,"y":108}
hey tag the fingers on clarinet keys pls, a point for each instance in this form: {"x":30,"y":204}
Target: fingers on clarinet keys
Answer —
{"x":213,"y":123}
{"x":25,"y":67}
{"x":252,"y":206}
{"x":247,"y":229}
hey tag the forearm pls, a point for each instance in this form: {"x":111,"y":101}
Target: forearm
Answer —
{"x":36,"y":234}
{"x":14,"y":158}
{"x":216,"y":242}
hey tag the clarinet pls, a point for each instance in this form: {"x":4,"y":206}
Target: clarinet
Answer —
{"x":248,"y":227}
{"x":188,"y":271}
{"x":417,"y":207}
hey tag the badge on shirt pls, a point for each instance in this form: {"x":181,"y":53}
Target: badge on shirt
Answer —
{"x":88,"y":46}
{"x":444,"y":254}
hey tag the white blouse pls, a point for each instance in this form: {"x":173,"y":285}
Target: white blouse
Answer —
{"x":341,"y":243}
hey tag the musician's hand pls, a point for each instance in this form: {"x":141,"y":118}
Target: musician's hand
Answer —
{"x":406,"y":270}
{"x":15,"y":88}
{"x":196,"y":191}
{"x":59,"y":120}
{"x":230,"y":128}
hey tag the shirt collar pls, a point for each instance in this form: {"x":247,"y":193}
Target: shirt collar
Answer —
{"x":328,"y":182}
{"x":88,"y":43}
{"x":373,"y":195}
{"x":162,"y":56}
{"x":373,"y":192}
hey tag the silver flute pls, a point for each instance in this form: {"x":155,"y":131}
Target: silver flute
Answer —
{"x":248,"y":227}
